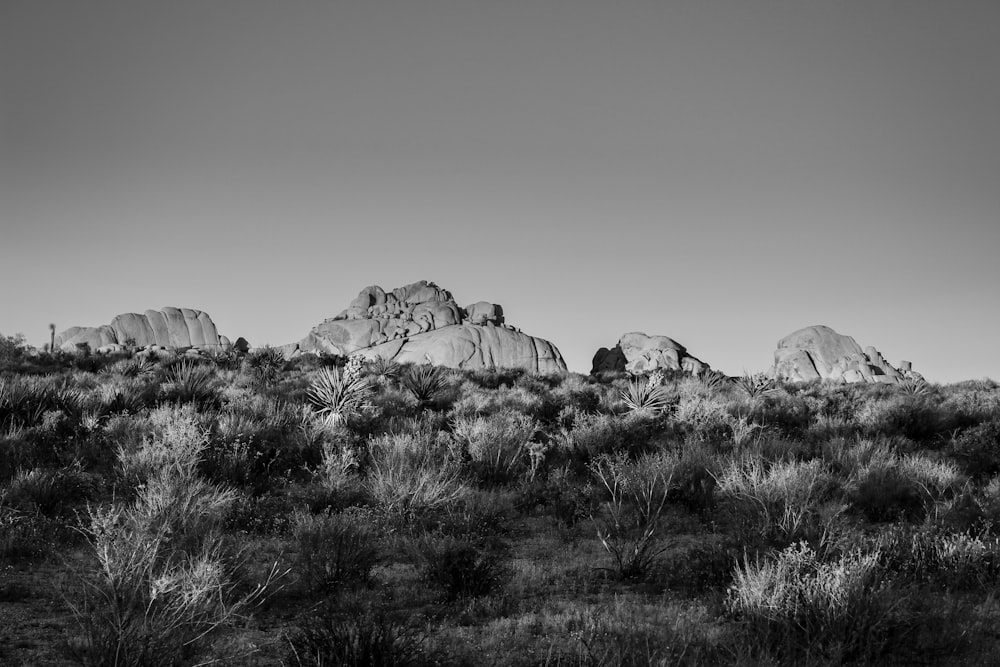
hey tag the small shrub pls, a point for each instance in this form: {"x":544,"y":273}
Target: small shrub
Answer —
{"x":796,"y":607}
{"x":334,"y":551}
{"x":407,"y":477}
{"x":460,"y":569}
{"x":637,"y":492}
{"x":359,"y":636}
{"x":497,"y":444}
{"x":978,"y":449}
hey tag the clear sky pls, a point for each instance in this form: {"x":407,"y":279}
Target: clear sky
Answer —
{"x":722,"y":173}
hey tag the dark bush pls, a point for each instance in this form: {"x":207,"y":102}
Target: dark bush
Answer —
{"x":977,"y":449}
{"x":460,"y":569}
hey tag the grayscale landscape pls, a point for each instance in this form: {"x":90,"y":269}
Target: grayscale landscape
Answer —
{"x":455,"y":332}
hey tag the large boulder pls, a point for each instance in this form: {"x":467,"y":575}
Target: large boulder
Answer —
{"x":423,"y":324}
{"x":167,"y":328}
{"x":819,"y":352}
{"x":639,"y":353}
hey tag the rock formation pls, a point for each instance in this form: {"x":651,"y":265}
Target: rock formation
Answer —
{"x":169,"y":328}
{"x":638,"y":353}
{"x":423,"y":324}
{"x":819,"y":352}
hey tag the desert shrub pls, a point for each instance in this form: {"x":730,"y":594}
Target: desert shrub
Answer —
{"x":891,"y":487}
{"x":591,"y":436}
{"x":882,"y":492}
{"x":694,"y":484}
{"x":410,"y":475}
{"x":334,"y":550}
{"x":915,"y":417}
{"x":562,"y":495}
{"x":26,"y":536}
{"x":497,"y":444}
{"x":704,"y":566}
{"x":941,"y":559}
{"x":460,"y":569}
{"x":786,"y":414}
{"x":779,"y":501}
{"x":12,"y":350}
{"x":177,"y":442}
{"x":578,"y":393}
{"x":394,"y":403}
{"x":701,"y":412}
{"x":636,"y":494}
{"x":48,"y":491}
{"x":481,"y":515}
{"x":361,"y":635}
{"x":164,"y":579}
{"x":797,"y":607}
{"x":474,"y":401}
{"x":127,"y":395}
{"x":978,"y":449}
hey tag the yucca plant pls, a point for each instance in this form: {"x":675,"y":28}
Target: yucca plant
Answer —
{"x":913,"y":387}
{"x":426,"y":383}
{"x":383,"y":370}
{"x":755,"y":386}
{"x":335,"y":397}
{"x":264,"y":364}
{"x":190,"y":382}
{"x":645,"y":397}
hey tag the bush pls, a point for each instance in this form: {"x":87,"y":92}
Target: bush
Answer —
{"x":779,"y":501}
{"x":800,"y":609}
{"x":334,"y":551}
{"x":359,"y":636}
{"x":978,"y":449}
{"x":497,"y":444}
{"x":336,"y":396}
{"x":637,"y":492}
{"x":460,"y":569}
{"x":408,"y":476}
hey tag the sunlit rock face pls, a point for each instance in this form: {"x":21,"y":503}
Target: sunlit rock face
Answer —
{"x":638,"y":353}
{"x":169,"y":328}
{"x":422,"y":323}
{"x":819,"y":352}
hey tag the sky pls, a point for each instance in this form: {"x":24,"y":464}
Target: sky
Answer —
{"x":722,"y":172}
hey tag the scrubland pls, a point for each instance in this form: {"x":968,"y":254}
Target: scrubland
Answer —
{"x":253,"y":511}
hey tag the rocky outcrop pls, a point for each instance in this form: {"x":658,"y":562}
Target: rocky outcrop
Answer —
{"x":638,"y":353}
{"x":423,"y":324}
{"x":169,"y":328}
{"x":819,"y":352}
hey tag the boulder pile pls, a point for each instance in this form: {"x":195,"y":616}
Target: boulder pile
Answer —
{"x":169,"y":329}
{"x":422,"y":323}
{"x":819,"y":352}
{"x":638,"y":353}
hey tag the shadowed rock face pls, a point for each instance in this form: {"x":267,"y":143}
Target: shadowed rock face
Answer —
{"x":638,"y":353}
{"x":819,"y":352}
{"x":168,"y":328}
{"x":422,"y":324}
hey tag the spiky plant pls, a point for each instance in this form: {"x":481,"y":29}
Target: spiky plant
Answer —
{"x":645,"y":397}
{"x":914,"y":387}
{"x":335,"y":397}
{"x":383,"y":370}
{"x":426,"y":383}
{"x":755,"y":385}
{"x":190,"y":382}
{"x":714,"y":380}
{"x":264,"y":364}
